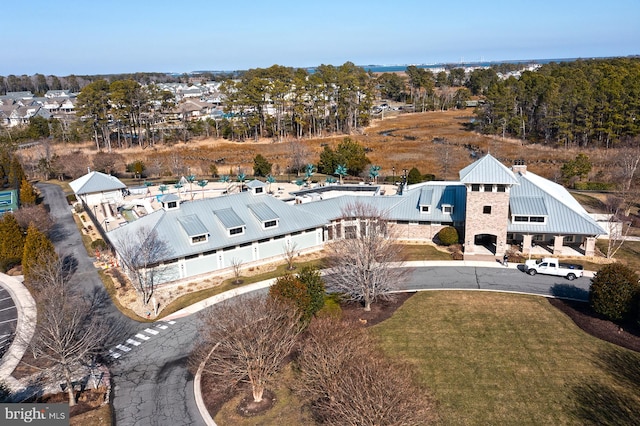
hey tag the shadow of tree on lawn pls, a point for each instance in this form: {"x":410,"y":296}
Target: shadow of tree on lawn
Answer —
{"x":616,"y":403}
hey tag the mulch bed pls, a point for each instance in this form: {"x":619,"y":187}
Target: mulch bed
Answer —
{"x":625,"y":335}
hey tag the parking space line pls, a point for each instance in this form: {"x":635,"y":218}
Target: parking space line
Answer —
{"x":6,"y":309}
{"x":5,"y":298}
{"x":11,"y":320}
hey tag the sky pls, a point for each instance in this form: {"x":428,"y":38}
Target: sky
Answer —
{"x":63,"y":37}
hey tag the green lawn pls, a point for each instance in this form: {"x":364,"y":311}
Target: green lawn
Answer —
{"x":505,"y":359}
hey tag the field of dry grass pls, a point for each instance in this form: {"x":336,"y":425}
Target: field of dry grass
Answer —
{"x":403,"y":141}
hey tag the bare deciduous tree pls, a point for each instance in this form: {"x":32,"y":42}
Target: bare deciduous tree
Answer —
{"x":618,"y":224}
{"x":290,"y":252}
{"x":365,"y":265}
{"x":247,"y":340}
{"x":140,"y":252}
{"x":69,"y":334}
{"x":348,"y":382}
{"x":236,"y":264}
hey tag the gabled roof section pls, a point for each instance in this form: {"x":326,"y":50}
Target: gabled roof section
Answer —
{"x":192,"y":225}
{"x":255,"y":183}
{"x":426,"y":196}
{"x":262,"y":212}
{"x":95,"y":182}
{"x":565,"y":215}
{"x":229,"y":218}
{"x":529,"y":206}
{"x":168,"y":198}
{"x":487,"y":170}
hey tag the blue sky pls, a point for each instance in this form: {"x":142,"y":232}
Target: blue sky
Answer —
{"x":63,"y":37}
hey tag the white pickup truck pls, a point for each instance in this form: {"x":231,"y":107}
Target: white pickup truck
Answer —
{"x":551,"y":266}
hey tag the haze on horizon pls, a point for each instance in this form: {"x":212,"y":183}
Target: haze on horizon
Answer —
{"x":119,"y":36}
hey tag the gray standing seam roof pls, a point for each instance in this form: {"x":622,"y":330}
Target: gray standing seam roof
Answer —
{"x":487,"y":170}
{"x":530,"y":206}
{"x":229,"y":218}
{"x":262,"y":212}
{"x":192,"y":225}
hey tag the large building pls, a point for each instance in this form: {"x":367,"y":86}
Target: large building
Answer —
{"x":492,"y":206}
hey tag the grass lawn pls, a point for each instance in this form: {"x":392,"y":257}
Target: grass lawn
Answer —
{"x":508,"y":359}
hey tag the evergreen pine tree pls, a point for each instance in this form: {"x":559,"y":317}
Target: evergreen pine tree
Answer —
{"x":27,"y":193}
{"x":37,"y":250}
{"x":11,"y":238}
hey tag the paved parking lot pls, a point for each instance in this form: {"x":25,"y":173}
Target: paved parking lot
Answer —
{"x":8,"y":320}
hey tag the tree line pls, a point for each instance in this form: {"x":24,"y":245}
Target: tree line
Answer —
{"x":585,"y":103}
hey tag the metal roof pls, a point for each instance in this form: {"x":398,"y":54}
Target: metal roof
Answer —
{"x":192,"y":225}
{"x":209,"y":212}
{"x":530,"y":206}
{"x":487,"y":170}
{"x":565,"y":216}
{"x":229,"y":218}
{"x":95,"y":182}
{"x":262,"y":212}
{"x":426,"y":195}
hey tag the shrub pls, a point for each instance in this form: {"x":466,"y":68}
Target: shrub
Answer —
{"x":99,"y":244}
{"x":614,"y":292}
{"x":448,"y":236}
{"x":594,"y":186}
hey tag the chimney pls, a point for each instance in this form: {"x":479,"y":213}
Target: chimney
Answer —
{"x":519,"y":167}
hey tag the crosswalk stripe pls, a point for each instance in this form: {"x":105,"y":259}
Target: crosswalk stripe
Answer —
{"x":142,"y":336}
{"x":171,"y":322}
{"x":115,"y":355}
{"x":123,"y":348}
{"x":162,"y":326}
{"x":150,"y":331}
{"x":133,"y":342}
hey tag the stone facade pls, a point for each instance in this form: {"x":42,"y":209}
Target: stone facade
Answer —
{"x":487,"y":214}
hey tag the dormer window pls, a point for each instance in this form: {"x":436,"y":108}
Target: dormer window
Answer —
{"x":447,"y":208}
{"x":170,"y":201}
{"x":194,"y":228}
{"x":199,"y":239}
{"x":263,"y":213}
{"x":231,"y":221}
{"x":425,"y":209}
{"x":236,"y":231}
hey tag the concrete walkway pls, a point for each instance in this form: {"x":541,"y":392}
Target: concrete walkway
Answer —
{"x":25,"y":328}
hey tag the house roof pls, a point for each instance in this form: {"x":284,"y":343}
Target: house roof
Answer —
{"x":537,"y":196}
{"x":404,"y":207}
{"x":215,"y":216}
{"x":94,"y":182}
{"x":487,"y":170}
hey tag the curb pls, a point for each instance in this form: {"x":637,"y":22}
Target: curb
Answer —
{"x":25,"y":327}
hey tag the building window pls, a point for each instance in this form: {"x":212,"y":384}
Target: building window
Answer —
{"x":447,"y":209}
{"x":270,"y":224}
{"x":475,"y":187}
{"x":191,"y":256}
{"x":172,"y":204}
{"x":424,"y":209}
{"x":501,"y":188}
{"x":488,"y":188}
{"x":538,"y":237}
{"x":521,"y":219}
{"x":486,"y":209}
{"x":236,"y":231}
{"x":199,"y":239}
{"x":537,"y":219}
{"x":259,"y":190}
{"x":350,"y":232}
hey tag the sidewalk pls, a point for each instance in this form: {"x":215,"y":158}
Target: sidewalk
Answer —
{"x":25,"y":327}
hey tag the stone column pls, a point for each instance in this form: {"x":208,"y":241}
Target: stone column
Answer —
{"x":590,"y":246}
{"x":526,"y":244}
{"x":558,"y":242}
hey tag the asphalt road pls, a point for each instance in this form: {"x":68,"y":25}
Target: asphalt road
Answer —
{"x":152,"y":385}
